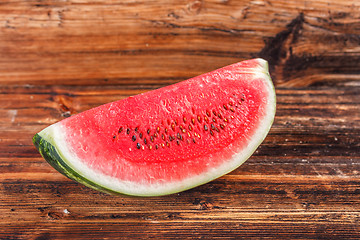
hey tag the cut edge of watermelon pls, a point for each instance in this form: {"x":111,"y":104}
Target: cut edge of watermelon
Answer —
{"x":52,"y":146}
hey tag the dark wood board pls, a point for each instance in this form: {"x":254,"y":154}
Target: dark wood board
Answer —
{"x":59,"y":58}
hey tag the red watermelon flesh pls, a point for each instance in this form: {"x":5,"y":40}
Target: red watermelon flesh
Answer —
{"x":167,"y":140}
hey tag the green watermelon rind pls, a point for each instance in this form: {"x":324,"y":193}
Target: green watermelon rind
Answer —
{"x":54,"y":158}
{"x":49,"y":150}
{"x":52,"y":149}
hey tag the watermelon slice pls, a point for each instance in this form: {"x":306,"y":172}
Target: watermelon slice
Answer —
{"x":167,"y":140}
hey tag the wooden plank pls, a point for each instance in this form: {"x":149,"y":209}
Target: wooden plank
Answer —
{"x":59,"y":58}
{"x":302,"y":183}
{"x":142,"y":42}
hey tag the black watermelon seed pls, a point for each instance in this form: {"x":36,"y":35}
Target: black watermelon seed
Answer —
{"x":163,"y":136}
{"x":194,"y":140}
{"x":177,"y":141}
{"x":207,"y":113}
{"x":156,"y":146}
{"x":138,"y":146}
{"x":211,"y":133}
{"x":141,"y":135}
{"x":216,"y":129}
{"x":225,"y":107}
{"x":222,"y":126}
{"x":212,"y":126}
{"x":214,"y":112}
{"x":128,"y":131}
{"x":136,"y":129}
{"x":193,"y":121}
{"x":152,"y":138}
{"x":190,"y":127}
{"x":120,"y":129}
{"x":145,"y":140}
{"x":205,"y":127}
{"x":133,"y":138}
{"x":148,"y":131}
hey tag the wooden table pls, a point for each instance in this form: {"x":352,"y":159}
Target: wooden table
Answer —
{"x":61,"y":57}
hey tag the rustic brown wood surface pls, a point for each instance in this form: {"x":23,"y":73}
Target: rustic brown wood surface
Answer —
{"x":61,"y":57}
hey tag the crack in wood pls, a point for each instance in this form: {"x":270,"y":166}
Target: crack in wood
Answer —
{"x":168,"y":24}
{"x":277,"y":49}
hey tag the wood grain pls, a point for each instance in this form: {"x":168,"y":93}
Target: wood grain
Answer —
{"x":120,"y":42}
{"x":303,"y":181}
{"x":59,"y":58}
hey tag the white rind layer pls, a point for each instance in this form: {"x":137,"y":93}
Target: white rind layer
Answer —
{"x":56,"y":135}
